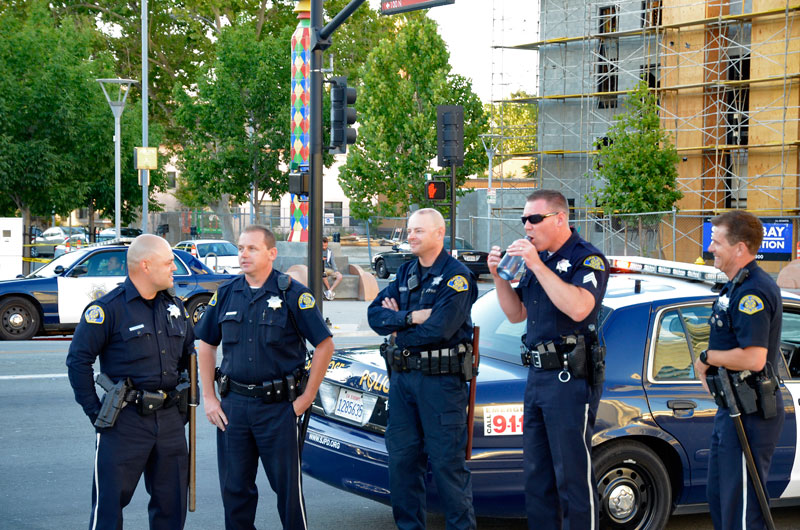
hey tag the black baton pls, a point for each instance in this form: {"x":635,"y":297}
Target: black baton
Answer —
{"x":736,"y":416}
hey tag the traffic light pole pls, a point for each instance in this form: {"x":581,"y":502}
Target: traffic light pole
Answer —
{"x":320,"y":40}
{"x":452,"y":208}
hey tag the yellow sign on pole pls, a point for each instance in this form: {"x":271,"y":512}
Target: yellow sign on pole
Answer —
{"x":146,"y":158}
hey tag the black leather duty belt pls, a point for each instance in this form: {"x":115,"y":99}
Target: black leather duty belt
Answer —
{"x":286,"y":388}
{"x":434,"y":362}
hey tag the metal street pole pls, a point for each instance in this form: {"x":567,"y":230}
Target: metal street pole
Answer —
{"x":145,"y":175}
{"x":117,"y":106}
{"x":491,"y":142}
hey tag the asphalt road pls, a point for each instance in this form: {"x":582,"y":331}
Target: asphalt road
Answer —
{"x":47,"y":448}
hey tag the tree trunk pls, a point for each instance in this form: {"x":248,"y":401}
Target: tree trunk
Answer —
{"x":223,"y":210}
{"x":26,"y":239}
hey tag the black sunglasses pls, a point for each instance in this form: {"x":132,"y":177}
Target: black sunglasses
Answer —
{"x":536,"y":218}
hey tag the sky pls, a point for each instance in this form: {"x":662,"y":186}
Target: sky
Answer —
{"x":471,"y":27}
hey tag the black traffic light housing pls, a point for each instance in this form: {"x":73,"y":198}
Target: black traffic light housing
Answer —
{"x":450,"y":135}
{"x":436,"y":190}
{"x":342,"y":115}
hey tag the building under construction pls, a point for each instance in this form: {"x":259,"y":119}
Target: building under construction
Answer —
{"x":726,"y":76}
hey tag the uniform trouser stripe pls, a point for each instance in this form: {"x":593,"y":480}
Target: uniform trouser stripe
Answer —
{"x":744,"y":492}
{"x":96,"y":483}
{"x":588,"y":466}
{"x":300,"y":480}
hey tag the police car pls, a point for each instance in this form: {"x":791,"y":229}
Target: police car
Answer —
{"x":51,"y":299}
{"x":654,"y":423}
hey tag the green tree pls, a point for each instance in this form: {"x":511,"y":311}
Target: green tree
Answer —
{"x":236,"y":121}
{"x":403,"y":80}
{"x":56,"y":129}
{"x":637,"y":162}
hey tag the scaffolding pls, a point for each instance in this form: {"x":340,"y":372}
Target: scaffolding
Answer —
{"x":726,"y":75}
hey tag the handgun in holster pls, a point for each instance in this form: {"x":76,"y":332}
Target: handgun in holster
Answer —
{"x":575,"y":350}
{"x":744,"y":394}
{"x":223,"y":383}
{"x":388,"y":350}
{"x":766,"y":387}
{"x":113,"y":401}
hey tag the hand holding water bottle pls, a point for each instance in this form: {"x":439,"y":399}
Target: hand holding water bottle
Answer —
{"x":510,"y":264}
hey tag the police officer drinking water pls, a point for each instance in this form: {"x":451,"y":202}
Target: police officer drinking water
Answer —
{"x":426,"y":310}
{"x":559,"y":297}
{"x":262,"y":318}
{"x":745,"y":340}
{"x":143,"y":337}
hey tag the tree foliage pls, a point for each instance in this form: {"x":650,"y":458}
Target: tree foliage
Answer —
{"x":403,"y":80}
{"x":56,"y":129}
{"x":637,"y":162}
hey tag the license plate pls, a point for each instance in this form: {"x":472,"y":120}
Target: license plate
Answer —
{"x":503,"y":420}
{"x":471,"y":258}
{"x":350,"y":405}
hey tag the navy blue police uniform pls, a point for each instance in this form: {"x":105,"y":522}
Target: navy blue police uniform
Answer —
{"x":148,"y":341}
{"x":560,"y":491}
{"x":747,"y":313}
{"x":262,"y":355}
{"x":427,"y":413}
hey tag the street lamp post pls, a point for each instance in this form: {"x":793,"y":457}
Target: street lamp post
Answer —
{"x":117,"y":106}
{"x":491,"y":142}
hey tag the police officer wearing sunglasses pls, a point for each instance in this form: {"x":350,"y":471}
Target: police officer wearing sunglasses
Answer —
{"x":559,"y":296}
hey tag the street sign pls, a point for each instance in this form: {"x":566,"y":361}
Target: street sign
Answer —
{"x":392,"y":7}
{"x":491,"y":196}
{"x":145,"y":158}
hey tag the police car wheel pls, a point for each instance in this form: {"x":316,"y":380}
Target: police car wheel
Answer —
{"x":633,"y":485}
{"x":380,"y":270}
{"x":19,"y":320}
{"x":197,"y":307}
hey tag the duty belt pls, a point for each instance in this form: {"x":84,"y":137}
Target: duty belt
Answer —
{"x":544,"y":356}
{"x":433,"y":362}
{"x":148,"y":402}
{"x":275,"y":391}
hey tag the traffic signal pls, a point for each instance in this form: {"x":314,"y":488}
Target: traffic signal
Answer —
{"x":450,"y":135}
{"x":436,"y":190}
{"x":342,"y":115}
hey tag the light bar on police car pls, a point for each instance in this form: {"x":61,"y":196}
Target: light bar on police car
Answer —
{"x":662,"y":267}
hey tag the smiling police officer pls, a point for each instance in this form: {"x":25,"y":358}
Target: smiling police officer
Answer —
{"x":427,"y":310}
{"x":143,"y":337}
{"x":559,"y":296}
{"x":745,"y":339}
{"x":262,"y":319}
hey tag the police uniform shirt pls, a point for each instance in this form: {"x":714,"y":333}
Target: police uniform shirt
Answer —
{"x":147,"y":340}
{"x":259,"y":341}
{"x":447,"y":287}
{"x":748,"y":314}
{"x":577,"y":262}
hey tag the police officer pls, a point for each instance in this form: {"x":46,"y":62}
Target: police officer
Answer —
{"x":262,"y":318}
{"x":745,"y":335}
{"x":559,"y":296}
{"x":427,"y":309}
{"x":142,"y":332}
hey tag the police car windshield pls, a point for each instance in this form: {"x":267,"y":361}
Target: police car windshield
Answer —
{"x":221,"y":248}
{"x":64,"y":260}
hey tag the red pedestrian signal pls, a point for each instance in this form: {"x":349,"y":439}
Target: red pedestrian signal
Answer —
{"x":436,"y":190}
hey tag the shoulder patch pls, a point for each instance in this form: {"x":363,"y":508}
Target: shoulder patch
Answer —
{"x":458,"y":283}
{"x":213,"y":300}
{"x":94,"y":314}
{"x":595,"y":262}
{"x":750,"y":304}
{"x":306,"y":301}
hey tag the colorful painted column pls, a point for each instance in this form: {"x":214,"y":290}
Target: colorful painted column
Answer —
{"x":301,"y":84}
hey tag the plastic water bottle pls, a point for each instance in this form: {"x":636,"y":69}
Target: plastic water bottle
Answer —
{"x":509,"y":267}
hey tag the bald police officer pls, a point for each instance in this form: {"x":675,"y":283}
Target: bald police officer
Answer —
{"x":745,"y":338}
{"x":140,"y":332}
{"x":427,"y":309}
{"x":262,"y":319}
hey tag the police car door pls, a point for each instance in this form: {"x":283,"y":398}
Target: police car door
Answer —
{"x":678,"y":402}
{"x":88,"y":280}
{"x":786,"y":461}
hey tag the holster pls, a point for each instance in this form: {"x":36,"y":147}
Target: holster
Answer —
{"x":181,"y":396}
{"x":597,"y":363}
{"x":466,"y":364}
{"x":712,"y":380}
{"x":766,"y":386}
{"x":223,"y":383}
{"x":575,"y":349}
{"x":114,"y":400}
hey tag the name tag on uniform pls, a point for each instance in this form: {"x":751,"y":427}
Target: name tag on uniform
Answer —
{"x":134,"y":328}
{"x":229,"y":313}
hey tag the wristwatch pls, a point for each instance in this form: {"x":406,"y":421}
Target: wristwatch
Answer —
{"x":409,"y":319}
{"x":704,"y":357}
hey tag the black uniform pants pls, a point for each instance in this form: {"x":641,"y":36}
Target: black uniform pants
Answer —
{"x":154,"y":445}
{"x":259,"y":430}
